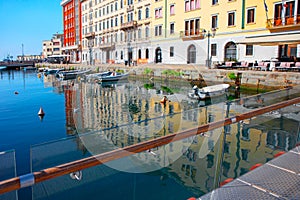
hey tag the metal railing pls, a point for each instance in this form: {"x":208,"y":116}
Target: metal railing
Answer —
{"x":74,"y":166}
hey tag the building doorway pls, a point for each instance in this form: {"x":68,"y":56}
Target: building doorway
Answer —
{"x":230,"y":52}
{"x":191,"y":54}
{"x":158,"y":56}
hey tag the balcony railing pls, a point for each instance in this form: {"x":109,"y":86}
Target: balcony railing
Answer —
{"x":90,"y":35}
{"x":109,"y":45}
{"x":280,"y":23}
{"x":191,"y":35}
{"x":129,"y":25}
{"x":130,"y":8}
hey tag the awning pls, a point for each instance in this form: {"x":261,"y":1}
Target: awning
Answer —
{"x":272,"y":40}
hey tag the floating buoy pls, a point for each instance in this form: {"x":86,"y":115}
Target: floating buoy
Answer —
{"x":41,"y":112}
{"x":164,"y":100}
{"x":226,"y":181}
{"x":39,"y":75}
{"x":192,"y":198}
{"x":16,"y":92}
{"x":279,"y":154}
{"x":255,"y":166}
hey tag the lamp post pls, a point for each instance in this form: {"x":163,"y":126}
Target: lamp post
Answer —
{"x":209,"y":34}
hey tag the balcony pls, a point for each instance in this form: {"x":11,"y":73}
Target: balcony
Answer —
{"x":90,"y":35}
{"x":191,"y":35}
{"x":130,"y":8}
{"x":289,"y":23}
{"x":128,"y":25}
{"x":109,"y":45}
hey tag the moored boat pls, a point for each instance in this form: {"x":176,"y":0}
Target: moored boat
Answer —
{"x":70,"y":74}
{"x":208,"y":92}
{"x":108,"y":76}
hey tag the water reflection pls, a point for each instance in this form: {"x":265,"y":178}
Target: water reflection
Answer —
{"x":121,"y":114}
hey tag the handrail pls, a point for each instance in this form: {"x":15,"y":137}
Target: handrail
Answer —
{"x":53,"y":172}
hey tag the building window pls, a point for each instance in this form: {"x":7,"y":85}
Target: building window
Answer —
{"x":121,"y":19}
{"x":213,"y":50}
{"x":158,"y":30}
{"x":147,"y":13}
{"x":250,"y":15}
{"x":147,"y":34}
{"x":214,"y":21}
{"x":140,"y":54}
{"x":147,"y":53}
{"x":140,"y":15}
{"x":197,"y":4}
{"x":116,"y":6}
{"x":139,"y":33}
{"x":158,"y":13}
{"x":187,"y":6}
{"x":172,"y":28}
{"x":116,"y":21}
{"x":121,"y":3}
{"x":192,"y":27}
{"x":171,"y":51}
{"x":214,"y":2}
{"x":172,"y":9}
{"x":231,"y":17}
{"x":249,"y":50}
{"x":122,"y":55}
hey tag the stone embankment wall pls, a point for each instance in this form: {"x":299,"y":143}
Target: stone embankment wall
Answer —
{"x":251,"y":78}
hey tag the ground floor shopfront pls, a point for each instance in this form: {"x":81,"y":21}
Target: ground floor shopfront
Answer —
{"x":218,"y":49}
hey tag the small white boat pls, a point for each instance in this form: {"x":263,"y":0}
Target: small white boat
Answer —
{"x":209,"y":91}
{"x":108,"y":76}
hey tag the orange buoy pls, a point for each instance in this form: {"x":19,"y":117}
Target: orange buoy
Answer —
{"x":255,"y":166}
{"x":279,"y":154}
{"x":192,"y":198}
{"x":41,"y":112}
{"x":226,"y":181}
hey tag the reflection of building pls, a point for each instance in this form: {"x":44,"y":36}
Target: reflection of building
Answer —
{"x":198,"y":166}
{"x":53,"y":46}
{"x":72,"y":29}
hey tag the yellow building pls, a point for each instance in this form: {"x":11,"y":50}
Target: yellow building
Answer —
{"x":229,"y":30}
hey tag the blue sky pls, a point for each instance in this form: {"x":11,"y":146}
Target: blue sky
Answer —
{"x":28,"y":22}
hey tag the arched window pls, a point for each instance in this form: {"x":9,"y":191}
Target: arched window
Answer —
{"x":140,"y":54}
{"x":140,"y":33}
{"x":147,"y":13}
{"x":147,"y":33}
{"x":140,"y":15}
{"x":230,"y":51}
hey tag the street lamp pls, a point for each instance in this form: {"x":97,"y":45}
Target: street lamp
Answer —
{"x":209,"y":34}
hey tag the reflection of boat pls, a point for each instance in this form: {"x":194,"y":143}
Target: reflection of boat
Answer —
{"x":209,"y":91}
{"x":110,"y":76}
{"x":70,"y":74}
{"x":48,"y":71}
{"x":2,"y":67}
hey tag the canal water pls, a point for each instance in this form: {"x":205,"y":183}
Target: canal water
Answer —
{"x":84,"y":118}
